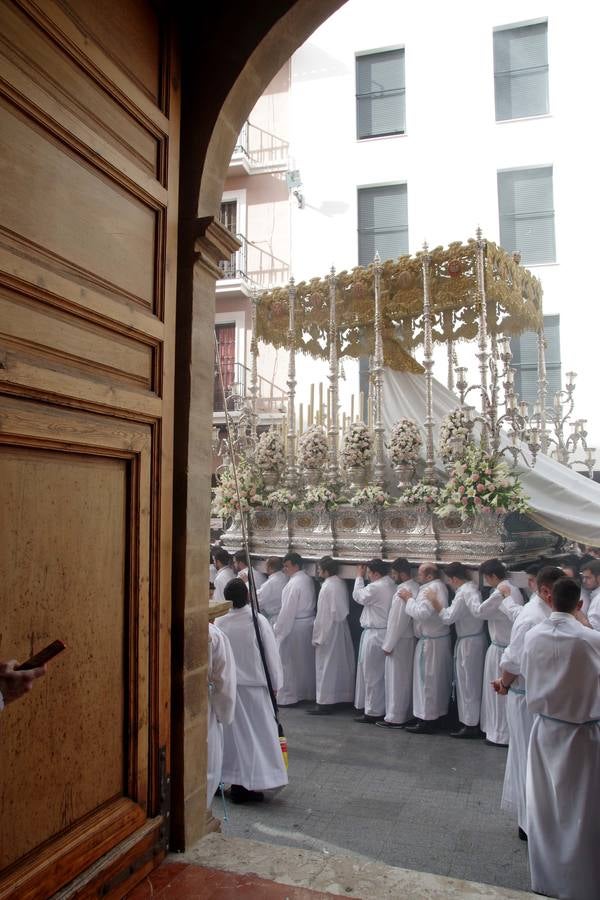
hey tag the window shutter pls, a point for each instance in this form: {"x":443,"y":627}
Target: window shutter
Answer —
{"x":526,"y":207}
{"x":382,"y":222}
{"x":524,"y":350}
{"x":380,"y":94}
{"x":521,"y":71}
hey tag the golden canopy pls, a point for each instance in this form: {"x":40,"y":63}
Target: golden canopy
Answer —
{"x":513,"y":294}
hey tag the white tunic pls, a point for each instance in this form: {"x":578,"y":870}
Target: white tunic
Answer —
{"x":221,"y":703}
{"x":493,"y":706}
{"x":222,"y":577}
{"x":269,"y":595}
{"x":593,"y":612}
{"x":469,"y":651}
{"x":561,"y":665}
{"x":259,"y":577}
{"x":252,"y":754}
{"x":432,"y":668}
{"x":376,"y":599}
{"x":399,"y":643}
{"x":293,"y":631}
{"x":518,"y":717}
{"x":334,"y":650}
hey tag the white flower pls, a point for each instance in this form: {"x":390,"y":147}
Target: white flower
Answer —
{"x":405,"y":442}
{"x":358,"y":446}
{"x":455,"y":435}
{"x":269,"y":455}
{"x":312,"y":448}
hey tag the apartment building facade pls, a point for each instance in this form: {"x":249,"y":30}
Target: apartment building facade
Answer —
{"x":404,"y":123}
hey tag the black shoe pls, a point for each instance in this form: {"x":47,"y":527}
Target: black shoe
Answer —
{"x":421,"y":728}
{"x":383,"y":724}
{"x":322,"y":709}
{"x":240,"y":794}
{"x":494,"y":744}
{"x":522,"y":835}
{"x":466,"y":731}
{"x":367,"y":720}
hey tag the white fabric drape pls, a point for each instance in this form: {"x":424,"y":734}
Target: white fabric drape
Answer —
{"x":222,"y":685}
{"x":399,"y":647}
{"x":334,"y":650}
{"x":432,"y":667}
{"x":293,"y":630}
{"x":469,"y":652}
{"x":559,"y":499}
{"x":375,"y":599}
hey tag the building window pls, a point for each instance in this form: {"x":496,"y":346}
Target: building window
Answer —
{"x":382,"y":222}
{"x":525,"y":362}
{"x":380,"y":94}
{"x":521,"y":71}
{"x":526,"y":208}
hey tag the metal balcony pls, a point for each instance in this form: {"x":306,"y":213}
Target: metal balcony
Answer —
{"x":270,"y":399}
{"x":251,"y":267}
{"x":258,"y":151}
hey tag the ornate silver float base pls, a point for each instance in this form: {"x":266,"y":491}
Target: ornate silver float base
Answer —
{"x":408,"y":531}
{"x":357,"y":532}
{"x":311,"y":532}
{"x":269,"y":534}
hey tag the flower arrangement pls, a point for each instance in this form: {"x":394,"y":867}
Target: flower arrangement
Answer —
{"x":225,"y":499}
{"x":269,"y":455}
{"x":281,"y":498}
{"x":455,"y":435}
{"x":479,"y":482}
{"x":312,"y":448}
{"x":320,"y":496}
{"x":358,"y":446}
{"x":420,"y":494}
{"x":405,"y":442}
{"x":372,"y":496}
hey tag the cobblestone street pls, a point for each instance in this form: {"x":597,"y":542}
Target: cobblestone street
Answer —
{"x":425,"y":802}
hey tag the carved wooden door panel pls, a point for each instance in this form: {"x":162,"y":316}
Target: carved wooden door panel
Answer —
{"x":89,"y":128}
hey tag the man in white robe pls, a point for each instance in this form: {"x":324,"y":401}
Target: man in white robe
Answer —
{"x":590,"y":576}
{"x":469,"y":649}
{"x":512,"y":683}
{"x":224,"y":574}
{"x":334,"y":650}
{"x":221,"y":704}
{"x":294,"y":630}
{"x":269,"y":593}
{"x":432,"y":667}
{"x":399,"y":649}
{"x":376,"y":600}
{"x":240,"y":567}
{"x":561,"y":666}
{"x":252,"y":757}
{"x":493,"y":705}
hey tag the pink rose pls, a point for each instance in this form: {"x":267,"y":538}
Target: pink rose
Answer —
{"x":465,"y":501}
{"x":461,"y":489}
{"x":480,"y":488}
{"x":478,"y":501}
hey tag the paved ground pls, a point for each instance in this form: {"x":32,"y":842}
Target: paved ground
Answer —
{"x":425,"y":802}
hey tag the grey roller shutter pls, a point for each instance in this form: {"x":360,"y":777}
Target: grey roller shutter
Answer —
{"x":521,"y":71}
{"x":382,"y":222}
{"x":380,"y":94}
{"x":526,"y":208}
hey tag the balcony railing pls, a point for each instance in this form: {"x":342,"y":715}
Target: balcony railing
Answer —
{"x":269,"y":398}
{"x":256,"y":266}
{"x":260,"y":148}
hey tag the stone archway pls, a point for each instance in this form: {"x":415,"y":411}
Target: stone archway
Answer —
{"x":222,"y":77}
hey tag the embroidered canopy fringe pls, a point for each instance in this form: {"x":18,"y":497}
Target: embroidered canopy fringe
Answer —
{"x":514,"y":305}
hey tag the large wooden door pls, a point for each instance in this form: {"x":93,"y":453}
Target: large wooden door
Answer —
{"x":89,"y":129}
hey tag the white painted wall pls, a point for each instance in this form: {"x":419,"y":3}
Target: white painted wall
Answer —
{"x":452,"y":149}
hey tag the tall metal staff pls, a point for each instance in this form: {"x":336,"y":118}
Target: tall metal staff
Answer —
{"x":429,"y":473}
{"x":333,"y":423}
{"x":291,"y":478}
{"x":482,"y":354}
{"x":379,"y":430}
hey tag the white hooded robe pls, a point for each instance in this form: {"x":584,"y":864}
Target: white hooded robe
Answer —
{"x":293,"y":630}
{"x":376,"y":599}
{"x":399,"y":643}
{"x":334,"y":650}
{"x":432,"y":668}
{"x":221,"y":703}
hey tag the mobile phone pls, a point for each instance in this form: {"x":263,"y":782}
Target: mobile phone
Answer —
{"x":43,"y":656}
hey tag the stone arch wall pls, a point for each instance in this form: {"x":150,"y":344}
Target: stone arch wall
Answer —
{"x":229,"y":54}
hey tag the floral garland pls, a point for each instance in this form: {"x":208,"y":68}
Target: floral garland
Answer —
{"x":312,"y":448}
{"x":371,"y":496}
{"x":405,"y":442}
{"x":282,"y":499}
{"x":270,"y":456}
{"x":455,"y":435}
{"x":420,"y":494}
{"x":358,"y":446}
{"x":320,"y":496}
{"x":481,"y":482}
{"x":225,"y":499}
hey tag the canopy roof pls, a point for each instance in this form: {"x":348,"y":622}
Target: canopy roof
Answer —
{"x":514,"y":304}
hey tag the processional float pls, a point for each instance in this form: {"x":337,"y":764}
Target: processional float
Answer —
{"x":328,"y":490}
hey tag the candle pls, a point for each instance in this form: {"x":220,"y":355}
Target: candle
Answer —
{"x":321,"y":398}
{"x":557,"y":403}
{"x":312,"y":396}
{"x":309,"y":415}
{"x":344,"y":423}
{"x":370,"y":413}
{"x":571,"y":376}
{"x":352,"y":408}
{"x":300,"y":419}
{"x":524,"y":409}
{"x":361,"y":405}
{"x":329,"y":408}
